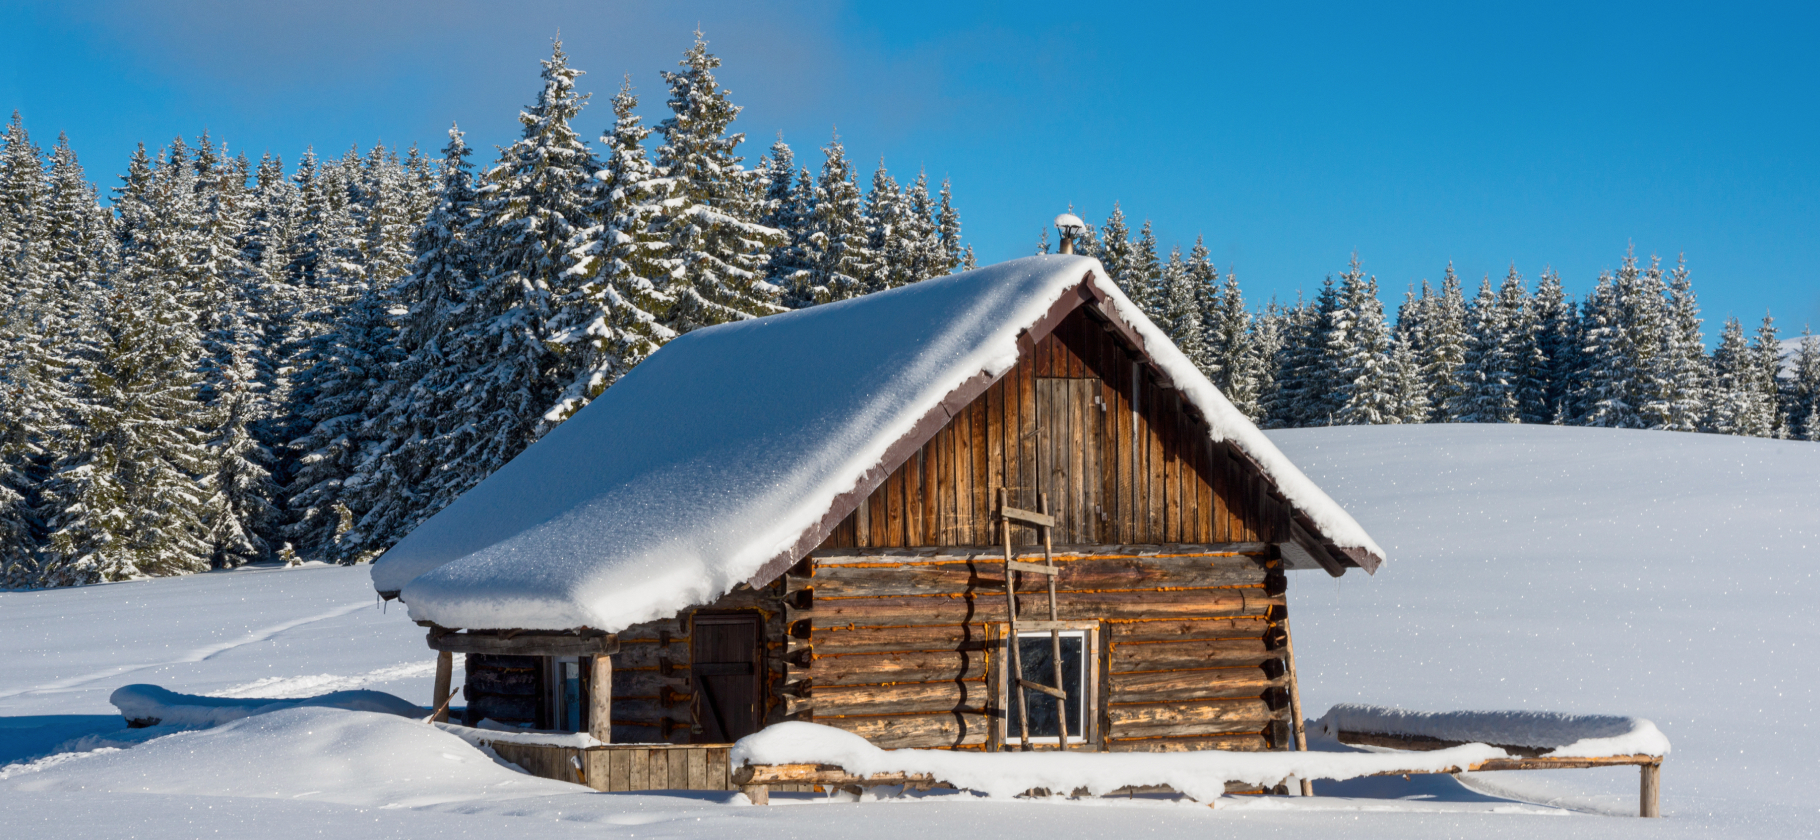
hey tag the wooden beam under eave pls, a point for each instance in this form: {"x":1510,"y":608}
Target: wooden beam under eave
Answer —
{"x":524,"y":644}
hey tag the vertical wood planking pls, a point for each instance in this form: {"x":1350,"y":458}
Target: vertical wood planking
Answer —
{"x":995,"y":441}
{"x":982,"y":475}
{"x":1027,"y":435}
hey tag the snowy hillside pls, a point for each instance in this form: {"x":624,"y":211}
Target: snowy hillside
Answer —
{"x":1661,"y":575}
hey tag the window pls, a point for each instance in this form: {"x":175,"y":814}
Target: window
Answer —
{"x":568,"y":694}
{"x":1080,"y":678}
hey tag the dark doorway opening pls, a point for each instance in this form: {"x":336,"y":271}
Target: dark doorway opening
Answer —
{"x":726,"y":670}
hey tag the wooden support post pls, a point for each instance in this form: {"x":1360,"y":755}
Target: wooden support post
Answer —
{"x":1651,"y":804}
{"x":600,"y":699}
{"x":1295,"y":702}
{"x":1017,"y":659}
{"x":759,"y":794}
{"x":445,"y":674}
{"x":1055,"y":636}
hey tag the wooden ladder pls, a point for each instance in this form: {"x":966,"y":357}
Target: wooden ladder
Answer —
{"x":1043,"y":522}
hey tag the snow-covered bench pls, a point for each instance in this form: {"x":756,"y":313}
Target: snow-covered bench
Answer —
{"x":805,"y":753}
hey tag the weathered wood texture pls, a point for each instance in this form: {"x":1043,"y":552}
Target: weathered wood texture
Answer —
{"x":900,"y":649}
{"x":1123,"y":459}
{"x":503,"y":688}
{"x":654,"y":698}
{"x":628,"y":767}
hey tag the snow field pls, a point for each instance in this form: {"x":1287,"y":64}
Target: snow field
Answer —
{"x":1655,"y":575}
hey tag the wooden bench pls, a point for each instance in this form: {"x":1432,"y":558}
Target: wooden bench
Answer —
{"x":1524,"y":758}
{"x":756,"y":781}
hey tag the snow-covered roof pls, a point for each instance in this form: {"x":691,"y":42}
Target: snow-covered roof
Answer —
{"x":733,"y":451}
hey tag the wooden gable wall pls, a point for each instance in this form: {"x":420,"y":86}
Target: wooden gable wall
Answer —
{"x":1115,"y":475}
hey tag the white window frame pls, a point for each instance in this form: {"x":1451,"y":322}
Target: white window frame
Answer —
{"x":1089,"y":632}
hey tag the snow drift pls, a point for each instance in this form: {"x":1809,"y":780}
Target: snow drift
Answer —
{"x":723,"y":453}
{"x":332,"y":755}
{"x":1200,"y":775}
{"x":150,"y":705}
{"x":1568,"y":736}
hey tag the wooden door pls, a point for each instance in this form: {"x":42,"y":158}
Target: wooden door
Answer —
{"x":726,"y":667}
{"x":1070,"y":418}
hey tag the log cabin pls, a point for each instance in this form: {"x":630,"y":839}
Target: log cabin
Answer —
{"x":810,"y":516}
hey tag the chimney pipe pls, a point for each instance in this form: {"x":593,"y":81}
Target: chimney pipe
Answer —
{"x":1070,"y":226}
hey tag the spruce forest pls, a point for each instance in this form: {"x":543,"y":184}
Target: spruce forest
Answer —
{"x":234,"y":361}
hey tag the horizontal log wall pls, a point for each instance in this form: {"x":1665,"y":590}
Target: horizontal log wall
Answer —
{"x":653,"y":696}
{"x":1113,"y":475}
{"x":900,"y":647}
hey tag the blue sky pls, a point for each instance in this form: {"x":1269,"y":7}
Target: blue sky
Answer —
{"x":1414,"y":135}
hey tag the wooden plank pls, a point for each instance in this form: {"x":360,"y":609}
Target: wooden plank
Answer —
{"x":913,"y":500}
{"x":995,"y":442}
{"x":1164,"y":686}
{"x":619,"y":767}
{"x":1073,"y":606}
{"x":1650,"y":795}
{"x":445,"y":674}
{"x":941,"y":452}
{"x":1248,"y":742}
{"x":836,"y":640}
{"x":1027,"y":443}
{"x":600,"y":697}
{"x":1196,"y":717}
{"x":1119,"y":632}
{"x":1153,"y":463}
{"x":963,"y":476}
{"x":983,"y":532}
{"x":894,"y":508}
{"x":523,"y":644}
{"x":718,"y":769}
{"x":1127,"y":657}
{"x":1073,"y":575}
{"x":931,"y":498}
{"x":971,"y":695}
{"x":639,"y":656}
{"x":638,"y":769}
{"x":1029,"y":517}
{"x":1031,"y":568}
{"x":897,"y":666}
{"x":679,"y":768}
{"x":950,"y":729}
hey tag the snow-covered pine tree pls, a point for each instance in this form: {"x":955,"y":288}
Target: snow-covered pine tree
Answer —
{"x":238,"y":510}
{"x":948,"y":225}
{"x":1734,"y":404}
{"x":1766,"y":353}
{"x":31,"y":382}
{"x":124,"y":501}
{"x":928,"y":258}
{"x":717,"y":251}
{"x":1488,"y":391}
{"x":1146,"y":271}
{"x":887,"y":214}
{"x":1681,"y":372}
{"x":967,"y":261}
{"x":1205,"y":281}
{"x":788,"y":208}
{"x":1238,"y":358}
{"x":1042,"y":242}
{"x":1409,"y":392}
{"x":1360,"y":347}
{"x":1276,"y":333}
{"x":1801,"y":398}
{"x":613,"y":319}
{"x":390,"y":218}
{"x":1558,"y":343}
{"x":1442,"y":348}
{"x":842,"y":256}
{"x":1307,"y":375}
{"x":1528,"y":366}
{"x":391,"y":483}
{"x":1118,"y":253}
{"x":1625,"y":334}
{"x":1179,"y":311}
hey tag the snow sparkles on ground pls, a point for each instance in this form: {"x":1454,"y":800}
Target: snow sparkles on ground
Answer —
{"x":1670,"y":577}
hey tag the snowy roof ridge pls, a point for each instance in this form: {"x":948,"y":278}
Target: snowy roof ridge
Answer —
{"x":734,"y":450}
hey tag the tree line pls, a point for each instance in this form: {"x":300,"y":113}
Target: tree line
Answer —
{"x":234,"y":361}
{"x":1630,"y":355}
